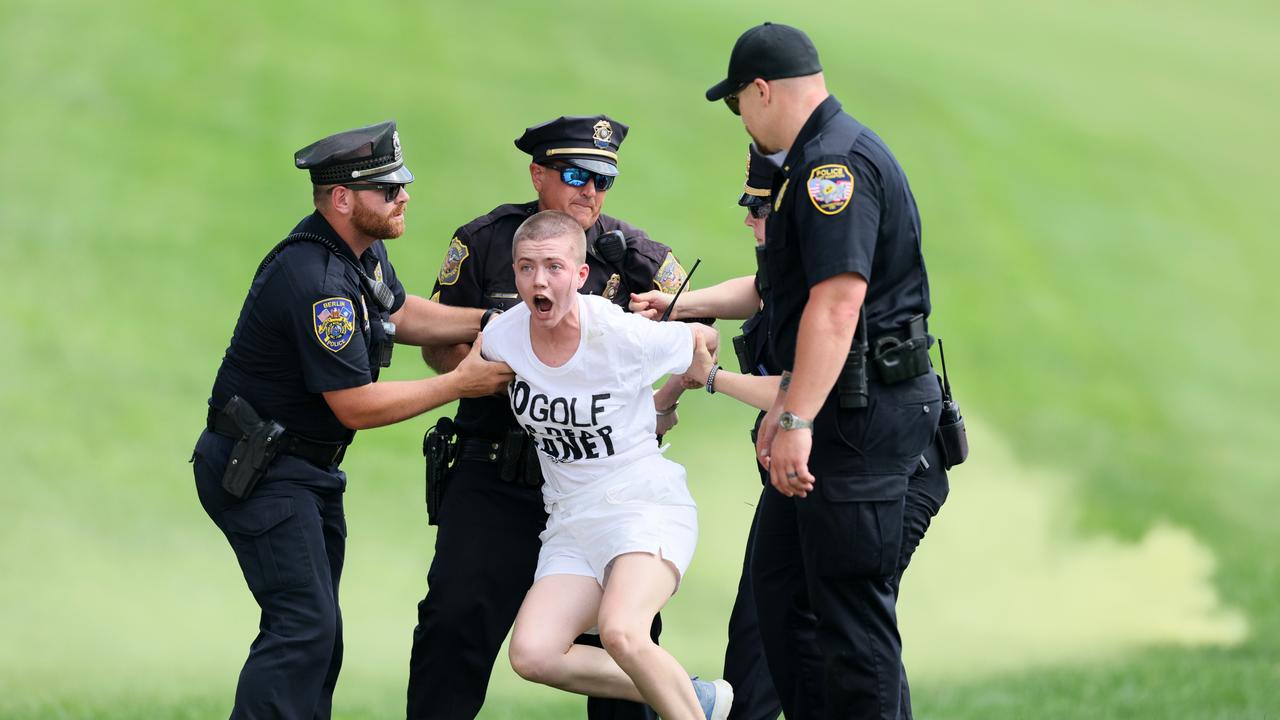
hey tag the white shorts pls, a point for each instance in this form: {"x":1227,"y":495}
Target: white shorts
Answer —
{"x":652,"y":514}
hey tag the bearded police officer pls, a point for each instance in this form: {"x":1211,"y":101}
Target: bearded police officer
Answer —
{"x":490,"y":509}
{"x":297,"y":380}
{"x":858,"y":403}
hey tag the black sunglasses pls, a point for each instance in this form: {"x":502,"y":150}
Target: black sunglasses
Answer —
{"x":760,"y":211}
{"x":574,"y":176}
{"x":731,"y":99}
{"x":391,"y":190}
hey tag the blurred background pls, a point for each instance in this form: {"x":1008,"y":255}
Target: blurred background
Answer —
{"x":1093,"y":179}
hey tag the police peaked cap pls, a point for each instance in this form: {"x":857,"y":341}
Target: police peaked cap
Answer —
{"x":367,"y":154}
{"x":589,"y":142}
{"x":759,"y":185}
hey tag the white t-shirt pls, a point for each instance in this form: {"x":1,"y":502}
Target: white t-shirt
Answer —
{"x":592,"y":416}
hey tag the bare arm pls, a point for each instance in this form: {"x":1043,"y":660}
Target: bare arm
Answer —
{"x":377,"y":404}
{"x":443,"y":358}
{"x":734,"y":299}
{"x":756,"y":391}
{"x":422,"y":322}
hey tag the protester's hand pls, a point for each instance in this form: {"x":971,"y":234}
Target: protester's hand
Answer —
{"x":477,"y":377}
{"x":651,"y":304}
{"x":789,"y":462}
{"x":666,"y":422}
{"x":696,"y":376}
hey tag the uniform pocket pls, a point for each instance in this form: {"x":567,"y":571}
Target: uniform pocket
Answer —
{"x":269,"y":543}
{"x":854,"y":524}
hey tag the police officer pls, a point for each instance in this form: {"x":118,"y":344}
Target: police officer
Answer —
{"x":858,"y":403}
{"x":796,"y":675}
{"x":297,"y":380}
{"x":491,"y":512}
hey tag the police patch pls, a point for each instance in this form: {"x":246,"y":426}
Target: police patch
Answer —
{"x":335,"y":322}
{"x":669,"y":275}
{"x":611,"y":287}
{"x":453,"y":262}
{"x":830,"y":188}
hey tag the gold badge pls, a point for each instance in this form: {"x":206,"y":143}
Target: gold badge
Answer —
{"x":611,"y":287}
{"x":377,"y":271}
{"x":669,"y":275}
{"x":453,"y":259}
{"x":603,"y":133}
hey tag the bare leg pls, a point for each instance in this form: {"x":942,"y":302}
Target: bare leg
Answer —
{"x":637,"y":587}
{"x":558,"y":609}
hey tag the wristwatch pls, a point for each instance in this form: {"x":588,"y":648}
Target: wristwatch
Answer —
{"x":789,"y":421}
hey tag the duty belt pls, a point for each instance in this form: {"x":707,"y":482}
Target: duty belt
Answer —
{"x":479,"y":449}
{"x":324,"y":454}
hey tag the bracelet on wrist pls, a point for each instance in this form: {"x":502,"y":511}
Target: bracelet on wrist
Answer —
{"x":711,"y":379}
{"x":668,"y":411}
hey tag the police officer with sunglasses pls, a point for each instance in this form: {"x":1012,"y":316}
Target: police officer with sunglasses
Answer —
{"x":486,"y":493}
{"x":297,"y":380}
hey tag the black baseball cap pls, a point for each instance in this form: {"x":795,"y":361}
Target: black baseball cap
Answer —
{"x":367,"y":154}
{"x":769,"y":52}
{"x":590,"y":142}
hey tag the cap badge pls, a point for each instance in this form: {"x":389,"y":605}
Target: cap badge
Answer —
{"x":603,"y":131}
{"x":334,"y":320}
{"x":830,"y":188}
{"x":395,"y":142}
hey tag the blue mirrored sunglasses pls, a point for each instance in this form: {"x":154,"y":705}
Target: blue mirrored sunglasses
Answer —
{"x":574,"y":176}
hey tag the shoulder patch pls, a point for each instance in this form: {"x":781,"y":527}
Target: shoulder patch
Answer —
{"x":335,"y":322}
{"x":669,"y":275}
{"x":830,"y":188}
{"x":453,"y":259}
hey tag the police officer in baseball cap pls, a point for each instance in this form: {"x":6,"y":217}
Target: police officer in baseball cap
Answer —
{"x":296,"y":382}
{"x":842,"y":250}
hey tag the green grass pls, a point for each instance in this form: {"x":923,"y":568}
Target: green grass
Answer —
{"x":1094,"y":181}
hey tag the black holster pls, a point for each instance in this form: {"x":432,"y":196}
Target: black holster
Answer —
{"x":439,"y":447}
{"x":903,"y":356}
{"x":254,"y":449}
{"x":851,"y":384}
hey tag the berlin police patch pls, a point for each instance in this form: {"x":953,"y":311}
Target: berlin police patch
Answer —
{"x":335,"y":322}
{"x":830,"y":188}
{"x":453,"y":258}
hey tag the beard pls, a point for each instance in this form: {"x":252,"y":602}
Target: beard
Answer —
{"x":375,"y":225}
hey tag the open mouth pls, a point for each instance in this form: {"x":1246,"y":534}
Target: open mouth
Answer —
{"x":542,"y":304}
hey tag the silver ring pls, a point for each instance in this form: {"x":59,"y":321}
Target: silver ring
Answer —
{"x":792,"y":476}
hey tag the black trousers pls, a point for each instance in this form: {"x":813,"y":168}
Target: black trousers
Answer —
{"x":485,"y":556}
{"x":841,"y":551}
{"x":745,"y":666}
{"x":289,"y":537}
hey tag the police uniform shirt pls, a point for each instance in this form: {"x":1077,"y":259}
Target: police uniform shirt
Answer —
{"x":841,"y":204}
{"x":477,"y":273}
{"x":304,"y":330}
